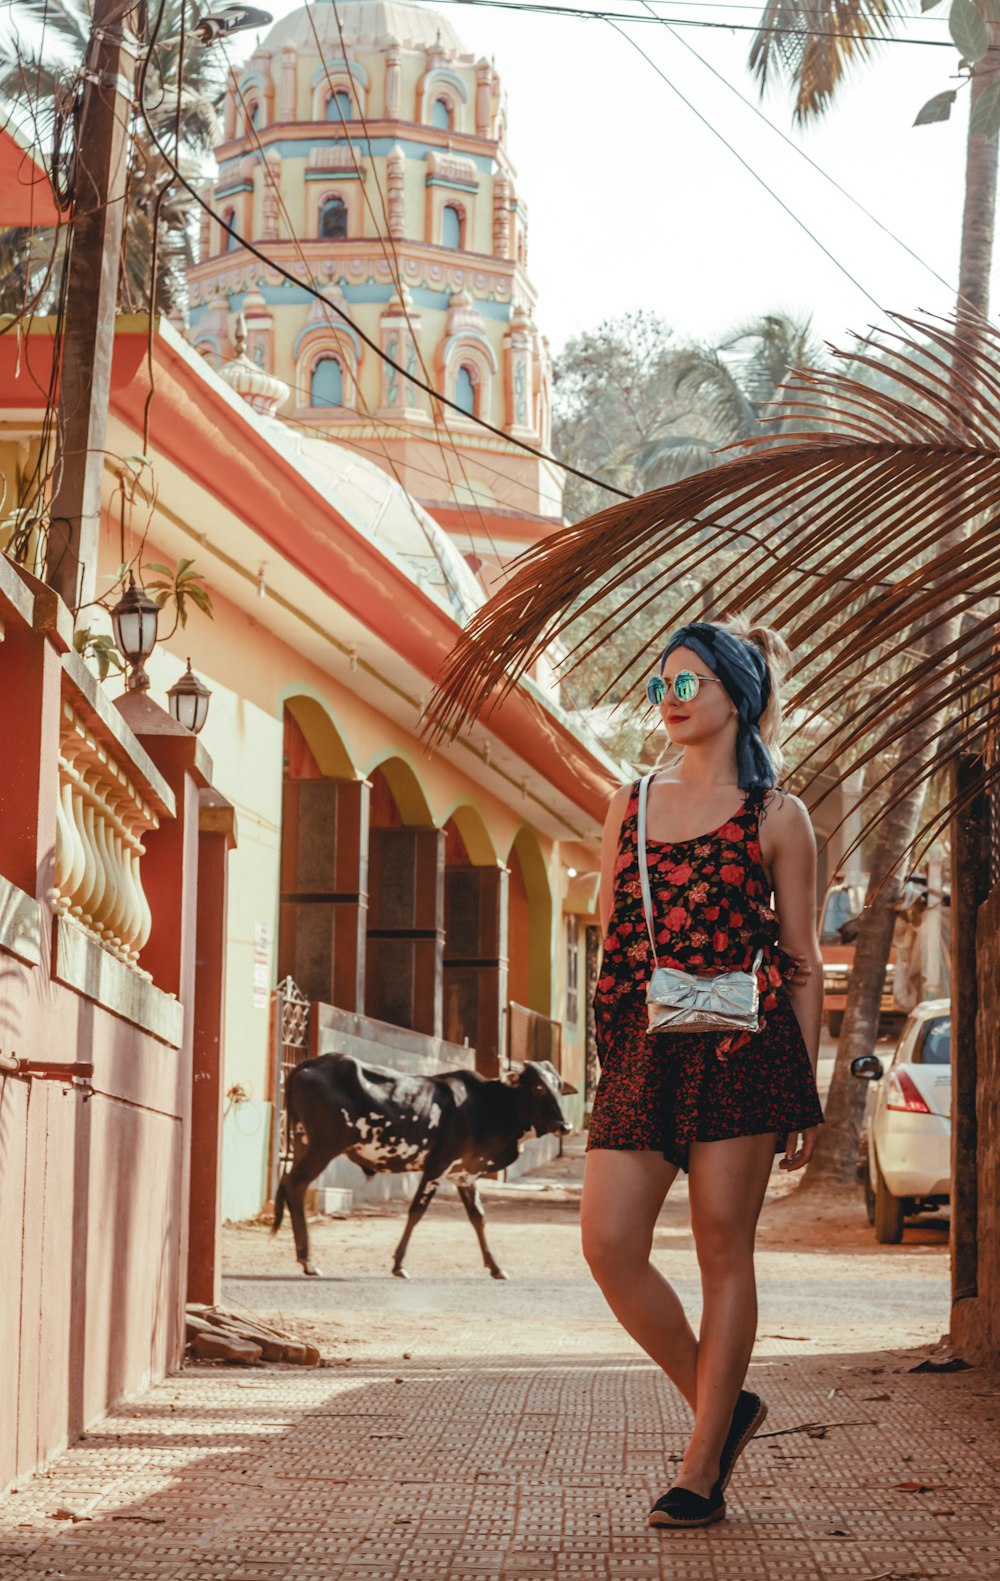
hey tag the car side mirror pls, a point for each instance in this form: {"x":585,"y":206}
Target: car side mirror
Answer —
{"x":867,"y":1067}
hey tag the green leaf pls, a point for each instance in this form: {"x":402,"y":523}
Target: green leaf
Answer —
{"x":936,"y":109}
{"x":985,"y":115}
{"x":154,"y":565}
{"x":969,"y":30}
{"x":928,"y":5}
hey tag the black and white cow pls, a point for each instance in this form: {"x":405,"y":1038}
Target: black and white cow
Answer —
{"x":457,"y":1124}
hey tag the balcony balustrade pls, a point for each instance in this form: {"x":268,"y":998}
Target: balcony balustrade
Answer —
{"x":101,"y":820}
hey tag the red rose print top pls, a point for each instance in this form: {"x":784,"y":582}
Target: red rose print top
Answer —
{"x":711,"y":913}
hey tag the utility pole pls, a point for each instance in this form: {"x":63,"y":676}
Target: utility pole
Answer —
{"x":94,"y":266}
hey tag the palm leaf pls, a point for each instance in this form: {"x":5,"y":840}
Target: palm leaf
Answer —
{"x":814,"y":46}
{"x":863,"y":533}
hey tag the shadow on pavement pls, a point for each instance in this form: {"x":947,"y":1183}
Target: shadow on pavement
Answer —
{"x":487,"y":1464}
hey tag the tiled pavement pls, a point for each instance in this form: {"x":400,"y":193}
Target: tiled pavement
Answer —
{"x":485,"y":1465}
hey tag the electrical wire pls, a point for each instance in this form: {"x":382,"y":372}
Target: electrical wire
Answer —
{"x":584,"y":14}
{"x":297,"y":244}
{"x":437,"y":413}
{"x":352,"y":442}
{"x":738,"y":156}
{"x":420,"y":384}
{"x":791,"y":143}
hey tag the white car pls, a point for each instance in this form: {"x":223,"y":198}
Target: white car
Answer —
{"x":905,"y":1158}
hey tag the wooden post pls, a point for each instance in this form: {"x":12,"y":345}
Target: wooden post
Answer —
{"x":91,"y":300}
{"x":969,"y":888}
{"x":216,"y":838}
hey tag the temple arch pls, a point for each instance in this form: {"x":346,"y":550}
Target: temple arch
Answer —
{"x":442,"y":86}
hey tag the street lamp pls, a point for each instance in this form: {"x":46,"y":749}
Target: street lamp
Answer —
{"x":188,"y":698}
{"x":134,"y":619}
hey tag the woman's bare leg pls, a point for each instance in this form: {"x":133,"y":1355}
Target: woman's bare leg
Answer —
{"x":622,"y":1194}
{"x":727,"y":1184}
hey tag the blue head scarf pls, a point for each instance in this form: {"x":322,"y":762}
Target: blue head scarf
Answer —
{"x":743,"y":671}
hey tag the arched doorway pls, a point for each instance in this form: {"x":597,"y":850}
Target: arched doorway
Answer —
{"x":475,"y":948}
{"x":530,"y":925}
{"x":531,"y":1031}
{"x":324,"y":860}
{"x":405,"y":942}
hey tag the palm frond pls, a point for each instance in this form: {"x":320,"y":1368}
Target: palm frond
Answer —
{"x":664,"y":461}
{"x":813,"y":46}
{"x":864,"y":533}
{"x":701,"y":378}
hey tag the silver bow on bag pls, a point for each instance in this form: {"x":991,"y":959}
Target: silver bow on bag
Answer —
{"x":683,"y":1001}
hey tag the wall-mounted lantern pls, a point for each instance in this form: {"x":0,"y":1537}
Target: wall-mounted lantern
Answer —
{"x":188,"y":699}
{"x":134,"y":619}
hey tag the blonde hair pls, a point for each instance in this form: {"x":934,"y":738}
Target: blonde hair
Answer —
{"x":777,"y":656}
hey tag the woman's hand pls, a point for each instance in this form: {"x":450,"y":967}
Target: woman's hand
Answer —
{"x":795,"y":1157}
{"x":802,"y":971}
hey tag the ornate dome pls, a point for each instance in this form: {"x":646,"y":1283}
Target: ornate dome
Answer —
{"x":365,"y":22}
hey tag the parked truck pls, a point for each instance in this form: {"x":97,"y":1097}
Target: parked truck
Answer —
{"x":842,"y":905}
{"x":918,"y":965}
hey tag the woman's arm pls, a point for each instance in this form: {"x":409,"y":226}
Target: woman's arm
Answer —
{"x":617,"y":808}
{"x":793,"y":871}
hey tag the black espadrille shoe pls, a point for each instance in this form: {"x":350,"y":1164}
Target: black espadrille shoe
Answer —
{"x":748,"y":1415}
{"x":683,"y":1507}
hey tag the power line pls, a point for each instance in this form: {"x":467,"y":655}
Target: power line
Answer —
{"x":353,"y":442}
{"x":736,"y":155}
{"x":297,"y":244}
{"x":388,"y":243}
{"x":420,"y":384}
{"x":581,"y":13}
{"x":801,"y":151}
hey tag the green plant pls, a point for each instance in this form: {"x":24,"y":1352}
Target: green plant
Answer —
{"x":97,"y":645}
{"x":180,"y":586}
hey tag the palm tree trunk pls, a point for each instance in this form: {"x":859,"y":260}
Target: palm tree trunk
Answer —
{"x":980,"y":199}
{"x":835,"y":1158}
{"x":969,"y":882}
{"x":836,"y":1154}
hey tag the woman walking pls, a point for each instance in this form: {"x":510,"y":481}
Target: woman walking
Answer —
{"x":719,"y":840}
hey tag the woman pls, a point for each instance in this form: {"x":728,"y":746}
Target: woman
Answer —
{"x":720,"y":840}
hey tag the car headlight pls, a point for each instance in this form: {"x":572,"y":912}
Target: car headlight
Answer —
{"x":835,"y":981}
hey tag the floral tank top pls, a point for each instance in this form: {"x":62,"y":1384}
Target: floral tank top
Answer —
{"x":711,"y":913}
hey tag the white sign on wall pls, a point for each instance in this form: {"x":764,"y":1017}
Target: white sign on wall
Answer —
{"x":261,"y":966}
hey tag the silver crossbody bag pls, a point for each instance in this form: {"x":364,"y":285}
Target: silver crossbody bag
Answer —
{"x":683,"y":1001}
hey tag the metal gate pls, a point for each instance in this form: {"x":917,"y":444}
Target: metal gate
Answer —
{"x":291,"y":1047}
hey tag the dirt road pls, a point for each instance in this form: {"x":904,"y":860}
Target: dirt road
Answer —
{"x":824,"y":1284}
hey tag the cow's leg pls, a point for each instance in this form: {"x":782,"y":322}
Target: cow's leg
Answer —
{"x":473,"y":1204}
{"x":422,"y":1199}
{"x":307,"y":1164}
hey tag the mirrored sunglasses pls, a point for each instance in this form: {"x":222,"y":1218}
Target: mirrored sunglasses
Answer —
{"x":685,"y":686}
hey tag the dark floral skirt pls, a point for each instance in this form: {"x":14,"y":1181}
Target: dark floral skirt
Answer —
{"x":662,"y":1093}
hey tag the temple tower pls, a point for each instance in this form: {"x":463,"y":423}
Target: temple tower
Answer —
{"x":365,"y":152}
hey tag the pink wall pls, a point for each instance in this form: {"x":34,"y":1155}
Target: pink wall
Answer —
{"x":95,"y":1070}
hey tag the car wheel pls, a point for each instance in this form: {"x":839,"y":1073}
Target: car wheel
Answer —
{"x":869,"y":1197}
{"x":888,"y":1212}
{"x":834,"y":1022}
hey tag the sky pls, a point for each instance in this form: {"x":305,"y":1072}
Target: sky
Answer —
{"x":635,"y":202}
{"x":638,"y":199}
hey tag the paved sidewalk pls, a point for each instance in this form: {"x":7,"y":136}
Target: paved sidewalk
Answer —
{"x":480,"y":1464}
